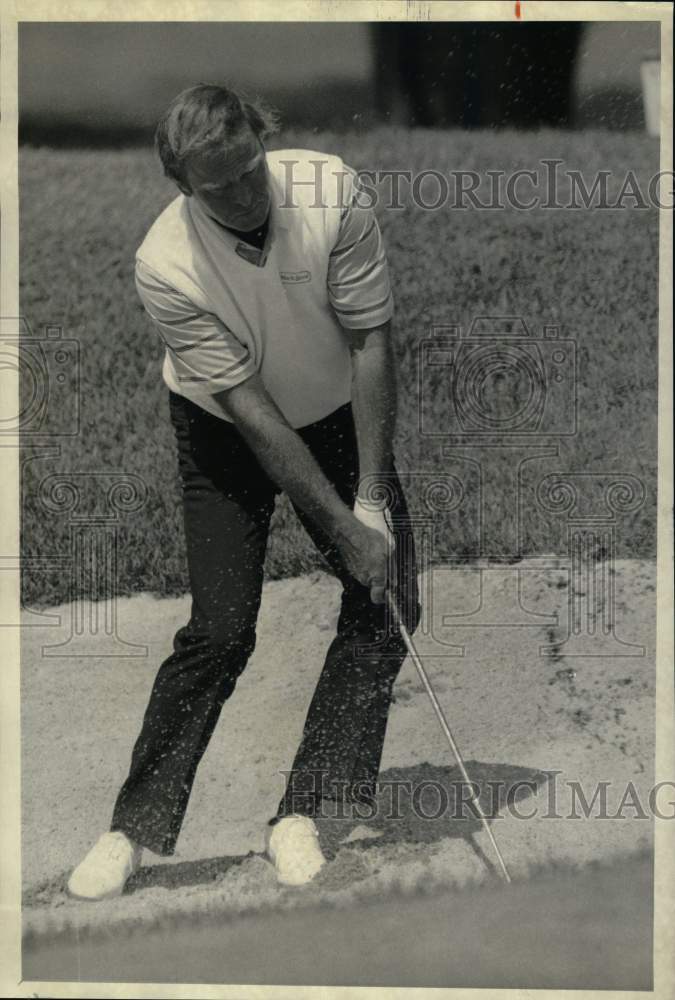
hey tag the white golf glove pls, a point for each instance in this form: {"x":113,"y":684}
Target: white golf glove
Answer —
{"x":379,"y":519}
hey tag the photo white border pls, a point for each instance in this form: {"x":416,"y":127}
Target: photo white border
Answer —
{"x":324,"y":10}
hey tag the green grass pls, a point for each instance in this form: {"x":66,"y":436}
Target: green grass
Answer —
{"x":83,"y":213}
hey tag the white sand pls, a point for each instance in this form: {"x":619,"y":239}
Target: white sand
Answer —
{"x":514,"y":711}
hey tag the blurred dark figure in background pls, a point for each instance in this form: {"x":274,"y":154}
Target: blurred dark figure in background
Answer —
{"x":476,"y":75}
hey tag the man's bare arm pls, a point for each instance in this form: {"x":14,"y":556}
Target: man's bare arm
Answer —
{"x":373,"y":397}
{"x":287,"y":460}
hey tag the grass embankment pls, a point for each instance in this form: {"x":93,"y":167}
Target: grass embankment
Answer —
{"x":594,"y":273}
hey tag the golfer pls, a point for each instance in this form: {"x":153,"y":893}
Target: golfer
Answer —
{"x":267,"y":281}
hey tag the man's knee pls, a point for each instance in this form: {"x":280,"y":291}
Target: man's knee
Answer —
{"x":229,"y":642}
{"x":234,"y":641}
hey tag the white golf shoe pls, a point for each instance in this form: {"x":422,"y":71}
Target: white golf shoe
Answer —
{"x":293,"y":848}
{"x":104,"y":871}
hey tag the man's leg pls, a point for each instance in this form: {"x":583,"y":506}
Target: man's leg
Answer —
{"x":227,"y":502}
{"x":344,"y":732}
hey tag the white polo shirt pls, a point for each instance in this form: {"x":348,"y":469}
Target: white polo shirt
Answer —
{"x":225,"y":310}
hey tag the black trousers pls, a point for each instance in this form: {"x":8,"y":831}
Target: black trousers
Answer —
{"x":228,"y":500}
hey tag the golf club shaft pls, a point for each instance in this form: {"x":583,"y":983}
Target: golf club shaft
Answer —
{"x":444,"y":725}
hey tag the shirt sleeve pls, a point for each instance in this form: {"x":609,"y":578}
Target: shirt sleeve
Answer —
{"x":203,"y":351}
{"x":358,"y":276}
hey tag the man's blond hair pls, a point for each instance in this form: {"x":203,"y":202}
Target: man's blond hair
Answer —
{"x":207,"y":117}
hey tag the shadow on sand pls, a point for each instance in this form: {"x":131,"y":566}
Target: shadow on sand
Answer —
{"x":419,"y":805}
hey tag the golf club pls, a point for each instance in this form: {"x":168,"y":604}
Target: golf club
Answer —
{"x":444,"y":725}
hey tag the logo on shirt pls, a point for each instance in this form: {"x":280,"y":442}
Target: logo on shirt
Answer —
{"x":295,"y":277}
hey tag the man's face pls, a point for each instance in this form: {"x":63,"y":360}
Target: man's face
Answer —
{"x":232,"y":184}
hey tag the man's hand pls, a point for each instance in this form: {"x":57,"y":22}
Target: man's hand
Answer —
{"x":365,"y":552}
